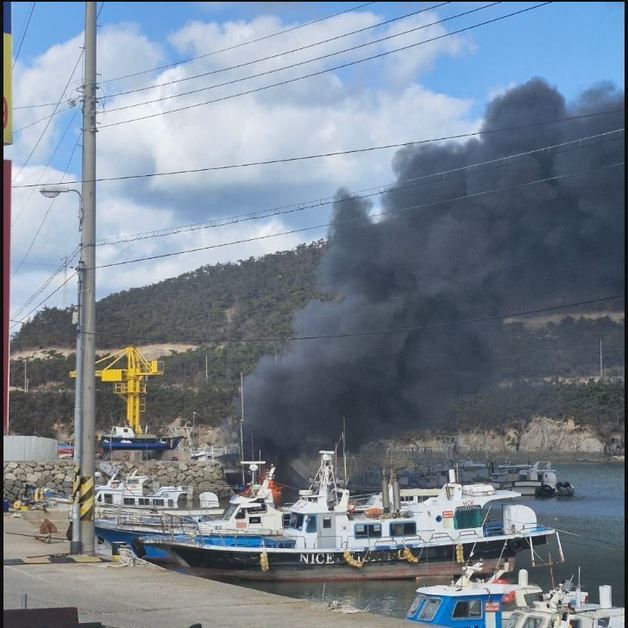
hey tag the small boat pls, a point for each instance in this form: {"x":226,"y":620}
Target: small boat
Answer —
{"x":497,"y":604}
{"x":326,"y":540}
{"x":538,"y":480}
{"x":252,"y":512}
{"x":125,"y":439}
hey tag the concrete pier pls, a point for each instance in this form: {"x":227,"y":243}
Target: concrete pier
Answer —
{"x":148,"y":597}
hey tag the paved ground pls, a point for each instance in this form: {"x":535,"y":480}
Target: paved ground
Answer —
{"x":149,"y":597}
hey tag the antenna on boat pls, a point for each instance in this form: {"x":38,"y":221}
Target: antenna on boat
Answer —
{"x":578,"y":589}
{"x":242,"y":424}
{"x":344,"y":450}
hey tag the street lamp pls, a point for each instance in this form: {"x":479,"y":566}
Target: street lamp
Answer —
{"x":52,"y":191}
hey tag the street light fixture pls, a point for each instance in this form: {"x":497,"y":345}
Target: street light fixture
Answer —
{"x":52,"y":191}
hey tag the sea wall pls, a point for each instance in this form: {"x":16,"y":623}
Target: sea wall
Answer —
{"x":57,"y":475}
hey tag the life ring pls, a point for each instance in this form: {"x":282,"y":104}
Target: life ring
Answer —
{"x":374,"y":513}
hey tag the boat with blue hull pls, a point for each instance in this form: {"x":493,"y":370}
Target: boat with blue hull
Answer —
{"x":124,"y":439}
{"x":495,"y":603}
{"x":325,"y":540}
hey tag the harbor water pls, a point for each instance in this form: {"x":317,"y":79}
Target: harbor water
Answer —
{"x":591,"y":526}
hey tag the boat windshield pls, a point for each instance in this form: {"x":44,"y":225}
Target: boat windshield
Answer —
{"x":523,"y":619}
{"x":228,"y":514}
{"x":296,"y":521}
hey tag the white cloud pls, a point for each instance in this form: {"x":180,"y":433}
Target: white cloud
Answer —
{"x":328,"y":113}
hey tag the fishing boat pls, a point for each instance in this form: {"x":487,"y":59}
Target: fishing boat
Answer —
{"x":497,"y":604}
{"x":326,"y":540}
{"x":131,"y":493}
{"x":538,"y":480}
{"x":251,"y":512}
{"x":125,"y":439}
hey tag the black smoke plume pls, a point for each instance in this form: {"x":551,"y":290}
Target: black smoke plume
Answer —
{"x":559,"y":241}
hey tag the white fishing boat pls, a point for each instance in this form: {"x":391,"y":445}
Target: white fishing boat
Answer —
{"x":538,"y":480}
{"x":326,"y":540}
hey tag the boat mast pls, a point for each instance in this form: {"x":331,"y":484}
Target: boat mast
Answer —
{"x":344,"y":449}
{"x":242,"y":424}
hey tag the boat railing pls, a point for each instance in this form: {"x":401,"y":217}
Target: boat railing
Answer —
{"x":440,"y":536}
{"x":465,"y":533}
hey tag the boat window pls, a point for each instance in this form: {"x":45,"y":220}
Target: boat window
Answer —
{"x":108,"y":498}
{"x":533,"y":597}
{"x":416,"y":603}
{"x":229,"y":511}
{"x":158,"y":502}
{"x":403,"y":528}
{"x":468,"y":517}
{"x":170,"y":503}
{"x":367,"y":530}
{"x":326,"y":522}
{"x":534,"y":621}
{"x":465,"y":609}
{"x":513,"y":620}
{"x":143,"y":501}
{"x":129,"y":501}
{"x":311,"y":524}
{"x":429,"y":609}
{"x":255,"y":520}
{"x":575,"y":623}
{"x":296,"y":521}
{"x":241,"y":514}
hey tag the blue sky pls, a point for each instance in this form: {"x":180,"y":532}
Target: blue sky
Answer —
{"x":433,"y":90}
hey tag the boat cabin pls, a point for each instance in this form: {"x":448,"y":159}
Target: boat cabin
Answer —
{"x":444,"y":606}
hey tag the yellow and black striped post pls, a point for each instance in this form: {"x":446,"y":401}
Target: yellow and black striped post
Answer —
{"x":86,"y":499}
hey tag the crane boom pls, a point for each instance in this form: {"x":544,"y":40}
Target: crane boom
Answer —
{"x":129,"y":382}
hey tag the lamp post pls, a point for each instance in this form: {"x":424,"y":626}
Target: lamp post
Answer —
{"x":52,"y":191}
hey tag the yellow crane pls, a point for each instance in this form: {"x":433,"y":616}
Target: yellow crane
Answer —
{"x":129,"y":383}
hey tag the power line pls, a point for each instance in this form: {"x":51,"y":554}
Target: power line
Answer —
{"x":299,"y":63}
{"x":331,"y":153}
{"x":48,"y":281}
{"x":320,"y":202}
{"x":374,"y":215}
{"x":50,"y":117}
{"x":71,"y":104}
{"x":279,"y":54}
{"x":378,"y":332}
{"x":41,"y":174}
{"x":245,"y":43}
{"x":19,"y":48}
{"x":45,"y":217}
{"x":320,"y":72}
{"x":410,"y":183}
{"x":46,"y":299}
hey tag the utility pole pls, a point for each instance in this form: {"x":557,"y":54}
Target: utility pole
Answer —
{"x":206,"y":371}
{"x":75,"y":543}
{"x":601,"y":361}
{"x":25,"y":378}
{"x":88,"y":256}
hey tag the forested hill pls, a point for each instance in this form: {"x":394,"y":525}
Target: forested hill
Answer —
{"x":546,"y":367}
{"x":251,"y":298}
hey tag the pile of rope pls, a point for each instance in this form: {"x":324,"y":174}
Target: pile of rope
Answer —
{"x":128,"y":558}
{"x":409,"y":556}
{"x":354,"y":562}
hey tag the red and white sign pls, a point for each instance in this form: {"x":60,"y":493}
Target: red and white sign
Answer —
{"x":448,"y":514}
{"x":491,"y":607}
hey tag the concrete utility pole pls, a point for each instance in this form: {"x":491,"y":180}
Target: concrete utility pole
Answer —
{"x":75,"y":543}
{"x":88,"y":256}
